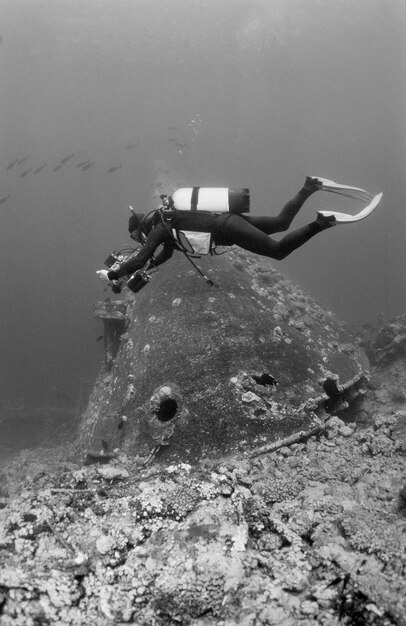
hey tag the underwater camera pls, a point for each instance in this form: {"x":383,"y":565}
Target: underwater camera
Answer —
{"x":114,"y":259}
{"x":113,"y":262}
{"x":138,"y":281}
{"x":135,"y":283}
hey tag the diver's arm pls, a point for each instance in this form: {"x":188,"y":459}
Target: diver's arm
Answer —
{"x":157,"y":236}
{"x":164,"y":254}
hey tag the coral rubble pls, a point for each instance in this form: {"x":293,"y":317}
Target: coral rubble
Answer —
{"x":312,"y":533}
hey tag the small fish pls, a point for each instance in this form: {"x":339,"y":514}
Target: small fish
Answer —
{"x":10,"y":165}
{"x":57,"y":167}
{"x":132,"y":145}
{"x":114,"y":168}
{"x":178,"y":144}
{"x":105,"y":445}
{"x":38,"y":169}
{"x":66,"y":159}
{"x":19,"y":162}
{"x":25,"y":173}
{"x":82,"y":163}
{"x":265,"y":379}
{"x":100,"y":337}
{"x":86,"y":167}
{"x":4,"y":199}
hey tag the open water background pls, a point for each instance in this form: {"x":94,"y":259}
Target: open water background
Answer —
{"x":238,"y":93}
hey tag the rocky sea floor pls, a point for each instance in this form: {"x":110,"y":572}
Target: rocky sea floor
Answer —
{"x":314,"y":533}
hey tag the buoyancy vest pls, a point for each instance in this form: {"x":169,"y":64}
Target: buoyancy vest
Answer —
{"x":194,"y":242}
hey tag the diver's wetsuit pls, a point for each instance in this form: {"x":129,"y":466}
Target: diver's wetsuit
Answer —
{"x":227,"y":229}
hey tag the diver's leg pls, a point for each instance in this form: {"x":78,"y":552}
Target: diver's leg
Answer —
{"x":281,"y":222}
{"x":244,"y":234}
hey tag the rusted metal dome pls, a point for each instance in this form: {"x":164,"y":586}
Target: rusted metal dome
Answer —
{"x":196,"y":370}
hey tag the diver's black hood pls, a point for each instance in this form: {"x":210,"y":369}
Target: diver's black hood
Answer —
{"x":135,"y":221}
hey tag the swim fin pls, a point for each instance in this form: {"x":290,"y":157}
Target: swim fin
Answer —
{"x":343,"y":190}
{"x":345,"y":218}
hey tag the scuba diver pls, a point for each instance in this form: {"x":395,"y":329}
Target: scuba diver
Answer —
{"x":161,"y":226}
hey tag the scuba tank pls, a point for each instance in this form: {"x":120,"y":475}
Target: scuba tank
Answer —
{"x":212,"y":199}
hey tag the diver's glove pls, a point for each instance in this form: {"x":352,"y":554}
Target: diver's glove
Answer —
{"x":103,"y":274}
{"x":115,"y":285}
{"x":112,"y":275}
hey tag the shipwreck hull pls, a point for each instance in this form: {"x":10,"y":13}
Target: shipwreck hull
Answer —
{"x":199,"y":370}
